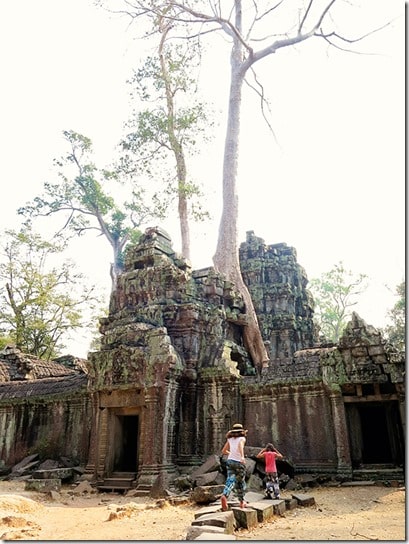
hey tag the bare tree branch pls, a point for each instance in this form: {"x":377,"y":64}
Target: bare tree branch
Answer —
{"x":263,"y":101}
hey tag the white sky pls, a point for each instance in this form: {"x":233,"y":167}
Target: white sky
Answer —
{"x":332,"y":185}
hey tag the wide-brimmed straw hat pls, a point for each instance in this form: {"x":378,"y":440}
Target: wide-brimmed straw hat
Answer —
{"x":237,"y":428}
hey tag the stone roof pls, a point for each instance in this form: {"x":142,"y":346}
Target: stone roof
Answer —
{"x":60,"y":386}
{"x":17,"y":366}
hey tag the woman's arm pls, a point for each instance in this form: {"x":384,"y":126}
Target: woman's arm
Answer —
{"x":226,"y":449}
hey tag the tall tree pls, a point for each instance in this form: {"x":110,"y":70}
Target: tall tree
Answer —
{"x":396,"y":332}
{"x":243,"y":29}
{"x":40,"y":303}
{"x":335,"y":293}
{"x":171,"y":126}
{"x":86,"y":204}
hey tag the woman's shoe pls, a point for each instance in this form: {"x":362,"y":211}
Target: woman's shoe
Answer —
{"x":224,"y":503}
{"x":243,"y":504}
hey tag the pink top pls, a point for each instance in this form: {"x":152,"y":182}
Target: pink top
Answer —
{"x":270,"y":459}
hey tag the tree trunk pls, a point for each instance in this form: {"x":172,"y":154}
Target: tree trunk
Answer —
{"x":176,"y":147}
{"x":226,"y":258}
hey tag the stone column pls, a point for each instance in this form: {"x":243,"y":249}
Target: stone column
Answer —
{"x":91,"y":467}
{"x":341,"y":433}
{"x":154,"y":466}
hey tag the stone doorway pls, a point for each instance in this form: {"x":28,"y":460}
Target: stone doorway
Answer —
{"x":125,"y":442}
{"x":375,"y":433}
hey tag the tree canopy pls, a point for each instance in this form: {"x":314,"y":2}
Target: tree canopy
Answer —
{"x":41,"y":302}
{"x":396,"y":332}
{"x":84,"y":199}
{"x":335,"y":293}
{"x":167,"y":130}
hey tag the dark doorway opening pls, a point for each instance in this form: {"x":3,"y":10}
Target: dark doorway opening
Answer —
{"x":375,"y":436}
{"x":375,"y":433}
{"x":126,"y":443}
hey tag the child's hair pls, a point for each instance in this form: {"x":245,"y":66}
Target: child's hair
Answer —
{"x":270,"y":447}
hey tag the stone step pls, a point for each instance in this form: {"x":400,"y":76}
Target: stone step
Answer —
{"x":378,"y":473}
{"x":118,"y":474}
{"x":140,"y":492}
{"x":119,"y":481}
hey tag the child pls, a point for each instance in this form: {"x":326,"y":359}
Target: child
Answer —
{"x":236,"y":464}
{"x":270,"y":454}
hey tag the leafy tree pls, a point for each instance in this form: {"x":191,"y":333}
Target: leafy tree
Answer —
{"x":244,"y":25}
{"x":5,"y":340}
{"x":40,"y":303}
{"x":335,"y":294}
{"x":170,"y":127}
{"x":396,"y":331}
{"x":87,"y":206}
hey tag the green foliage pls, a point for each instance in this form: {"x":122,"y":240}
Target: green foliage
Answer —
{"x":5,"y":340}
{"x":172,"y":127}
{"x":84,"y":198}
{"x":335,"y":293}
{"x":40,"y":302}
{"x":396,"y":331}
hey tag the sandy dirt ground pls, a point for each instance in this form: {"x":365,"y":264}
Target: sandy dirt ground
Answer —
{"x":339,"y":513}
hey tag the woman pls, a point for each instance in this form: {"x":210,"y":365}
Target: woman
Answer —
{"x":236,"y":465}
{"x":270,"y":454}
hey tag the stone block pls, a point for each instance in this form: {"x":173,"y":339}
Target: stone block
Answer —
{"x":43,"y":485}
{"x":25,"y":462}
{"x":206,"y":493}
{"x":211,"y":536}
{"x":303,"y":500}
{"x":279,"y":506}
{"x":255,"y":483}
{"x":245,"y":517}
{"x":220,"y":519}
{"x":264,"y":510}
{"x":250,"y":466}
{"x":210,"y":478}
{"x":211,"y":464}
{"x":49,"y":474}
{"x":195,"y":530}
{"x":290,"y":504}
{"x":211,"y":509}
{"x":253,"y":496}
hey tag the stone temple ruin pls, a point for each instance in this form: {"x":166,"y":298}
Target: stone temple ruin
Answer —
{"x":172,"y":375}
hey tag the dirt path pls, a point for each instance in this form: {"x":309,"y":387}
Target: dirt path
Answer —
{"x":342,"y":513}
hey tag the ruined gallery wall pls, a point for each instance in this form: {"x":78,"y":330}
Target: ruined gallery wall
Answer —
{"x":45,"y":407}
{"x":50,"y":426}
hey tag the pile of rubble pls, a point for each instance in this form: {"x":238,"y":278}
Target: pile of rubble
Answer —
{"x":47,"y":475}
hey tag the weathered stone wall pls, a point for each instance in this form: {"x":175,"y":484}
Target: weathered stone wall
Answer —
{"x":278,"y":286}
{"x":45,"y":408}
{"x":292,"y":415}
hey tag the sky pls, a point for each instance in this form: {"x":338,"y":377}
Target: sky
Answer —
{"x":329,"y":182}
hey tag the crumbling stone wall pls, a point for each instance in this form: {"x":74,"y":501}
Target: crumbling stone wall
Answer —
{"x":278,"y":286}
{"x":44,"y":408}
